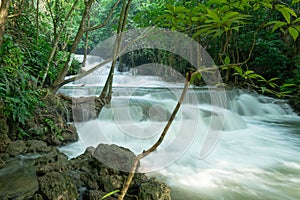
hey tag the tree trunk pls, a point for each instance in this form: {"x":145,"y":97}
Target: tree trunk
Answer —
{"x":61,"y":76}
{"x":37,"y":20}
{"x":297,"y":53}
{"x":86,"y":43}
{"x":3,"y":17}
{"x":105,"y":96}
{"x":56,"y":40}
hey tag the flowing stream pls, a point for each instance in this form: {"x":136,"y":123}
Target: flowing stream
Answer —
{"x":222,"y":145}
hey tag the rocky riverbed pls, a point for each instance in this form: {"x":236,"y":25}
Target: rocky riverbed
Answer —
{"x":32,"y":167}
{"x":34,"y":170}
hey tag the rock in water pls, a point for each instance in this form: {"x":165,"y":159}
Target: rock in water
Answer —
{"x":115,"y":157}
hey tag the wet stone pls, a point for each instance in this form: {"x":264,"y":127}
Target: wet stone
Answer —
{"x":17,"y":147}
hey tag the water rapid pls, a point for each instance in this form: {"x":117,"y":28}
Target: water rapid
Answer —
{"x":222,"y":145}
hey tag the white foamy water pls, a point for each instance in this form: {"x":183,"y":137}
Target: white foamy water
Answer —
{"x":236,"y":146}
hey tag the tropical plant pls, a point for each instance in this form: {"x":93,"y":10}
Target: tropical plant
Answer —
{"x":16,"y":83}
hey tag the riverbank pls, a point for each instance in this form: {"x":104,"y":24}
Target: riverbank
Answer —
{"x":42,"y":172}
{"x":32,"y":167}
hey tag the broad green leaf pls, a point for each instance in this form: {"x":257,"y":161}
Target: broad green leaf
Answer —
{"x":213,"y":15}
{"x":273,"y":85}
{"x":238,"y":69}
{"x":229,"y":16}
{"x":249,"y":72}
{"x":277,"y":24}
{"x":287,"y":92}
{"x":289,"y":85}
{"x":295,"y":1}
{"x":289,"y":10}
{"x":255,"y":76}
{"x":273,"y":79}
{"x":294,"y":33}
{"x":297,"y":27}
{"x":261,"y":78}
{"x":286,"y":16}
{"x":284,"y":12}
{"x":296,"y":20}
{"x":227,"y":60}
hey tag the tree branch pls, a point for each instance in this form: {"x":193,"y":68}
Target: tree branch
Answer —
{"x":157,"y":143}
{"x":105,"y":21}
{"x":56,"y":40}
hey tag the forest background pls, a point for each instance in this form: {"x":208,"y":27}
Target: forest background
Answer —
{"x":254,"y":43}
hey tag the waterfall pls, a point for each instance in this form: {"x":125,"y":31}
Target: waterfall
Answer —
{"x":223,"y":144}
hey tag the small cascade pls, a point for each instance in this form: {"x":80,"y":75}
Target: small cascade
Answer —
{"x":250,"y":105}
{"x":230,"y":144}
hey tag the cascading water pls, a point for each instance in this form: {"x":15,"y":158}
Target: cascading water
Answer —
{"x":255,"y":157}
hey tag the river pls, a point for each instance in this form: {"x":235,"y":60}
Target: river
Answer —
{"x":231,"y":144}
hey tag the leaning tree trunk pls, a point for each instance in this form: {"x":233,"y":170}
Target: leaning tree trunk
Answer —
{"x":87,"y":108}
{"x":86,"y":43}
{"x":61,"y":76}
{"x":105,"y":96}
{"x":297,"y":53}
{"x":3,"y":17}
{"x":56,"y":41}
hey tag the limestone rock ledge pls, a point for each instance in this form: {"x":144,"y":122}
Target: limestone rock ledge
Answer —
{"x":50,"y":175}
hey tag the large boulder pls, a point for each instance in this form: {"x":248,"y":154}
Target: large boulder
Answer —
{"x":17,"y":147}
{"x":57,"y":186}
{"x":100,"y":174}
{"x":37,"y":146}
{"x":115,"y":157}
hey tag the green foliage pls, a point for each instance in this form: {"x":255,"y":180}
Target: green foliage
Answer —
{"x":242,"y":37}
{"x":16,"y":84}
{"x":143,"y":13}
{"x":52,"y":127}
{"x":22,"y":134}
{"x":58,"y":65}
{"x":252,"y":41}
{"x":288,"y":26}
{"x":292,"y":84}
{"x":224,"y":22}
